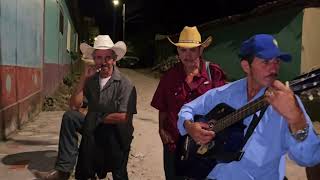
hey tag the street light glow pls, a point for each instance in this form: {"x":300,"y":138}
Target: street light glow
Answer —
{"x":115,"y":2}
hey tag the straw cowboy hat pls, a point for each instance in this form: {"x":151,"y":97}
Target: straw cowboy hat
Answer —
{"x":190,"y":37}
{"x":102,"y":42}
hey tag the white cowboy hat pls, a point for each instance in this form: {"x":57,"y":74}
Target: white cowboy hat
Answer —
{"x":190,"y":38}
{"x":102,"y":42}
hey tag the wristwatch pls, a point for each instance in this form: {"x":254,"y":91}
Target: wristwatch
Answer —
{"x":301,"y":134}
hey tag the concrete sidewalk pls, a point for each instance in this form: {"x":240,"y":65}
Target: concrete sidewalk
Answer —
{"x":33,"y":147}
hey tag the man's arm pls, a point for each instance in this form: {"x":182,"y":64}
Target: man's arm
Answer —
{"x":304,"y":151}
{"x":76,"y":99}
{"x":201,"y":105}
{"x":164,"y":135}
{"x":115,"y":118}
{"x":127,"y":106}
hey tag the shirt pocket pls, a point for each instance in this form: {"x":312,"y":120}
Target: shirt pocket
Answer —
{"x":177,"y":97}
{"x":203,"y":86}
{"x":116,"y":104}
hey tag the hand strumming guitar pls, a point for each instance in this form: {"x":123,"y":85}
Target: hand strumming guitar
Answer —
{"x":198,"y":131}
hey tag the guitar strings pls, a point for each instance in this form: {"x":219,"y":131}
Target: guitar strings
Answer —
{"x":244,"y":111}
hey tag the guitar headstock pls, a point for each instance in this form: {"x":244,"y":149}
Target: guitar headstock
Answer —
{"x":305,"y":83}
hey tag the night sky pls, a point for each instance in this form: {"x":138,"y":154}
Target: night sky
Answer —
{"x":146,"y":18}
{"x":164,"y":16}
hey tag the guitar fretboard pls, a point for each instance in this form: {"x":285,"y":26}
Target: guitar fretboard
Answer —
{"x":298,"y":85}
{"x":239,"y":114}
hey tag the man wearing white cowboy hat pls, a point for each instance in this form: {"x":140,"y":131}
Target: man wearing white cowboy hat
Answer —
{"x":187,"y":80}
{"x":107,"y":127}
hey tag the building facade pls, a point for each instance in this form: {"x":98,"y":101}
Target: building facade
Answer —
{"x":36,"y":39}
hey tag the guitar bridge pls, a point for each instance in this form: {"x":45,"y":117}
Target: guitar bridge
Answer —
{"x":203,"y":149}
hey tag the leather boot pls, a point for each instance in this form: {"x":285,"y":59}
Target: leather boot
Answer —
{"x":51,"y":175}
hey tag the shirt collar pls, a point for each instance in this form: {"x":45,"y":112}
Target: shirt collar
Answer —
{"x":115,"y":74}
{"x":203,"y":70}
{"x":114,"y":77}
{"x":245,"y":93}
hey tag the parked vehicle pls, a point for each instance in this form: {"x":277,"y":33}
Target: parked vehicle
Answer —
{"x":128,"y":62}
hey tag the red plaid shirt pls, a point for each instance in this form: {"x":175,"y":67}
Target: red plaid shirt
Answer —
{"x":173,"y":92}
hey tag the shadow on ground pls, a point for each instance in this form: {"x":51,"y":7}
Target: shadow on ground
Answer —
{"x":38,"y":160}
{"x":32,"y":142}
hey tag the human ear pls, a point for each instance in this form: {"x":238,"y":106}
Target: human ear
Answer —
{"x":245,"y":66}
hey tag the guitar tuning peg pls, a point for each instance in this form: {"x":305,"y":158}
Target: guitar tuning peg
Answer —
{"x":287,"y":84}
{"x":310,"y":97}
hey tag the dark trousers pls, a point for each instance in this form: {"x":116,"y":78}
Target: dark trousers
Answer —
{"x":121,"y":172}
{"x":72,"y":123}
{"x":313,"y":173}
{"x":169,"y":164}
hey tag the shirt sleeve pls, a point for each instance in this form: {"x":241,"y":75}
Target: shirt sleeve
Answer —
{"x":127,"y":98}
{"x":200,"y":106}
{"x":219,"y":78}
{"x":159,"y":98}
{"x":132,"y":103}
{"x":307,"y":152}
{"x":86,"y":91}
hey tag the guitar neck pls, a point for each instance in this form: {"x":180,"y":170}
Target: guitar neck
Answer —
{"x":299,"y":84}
{"x":240,"y":114}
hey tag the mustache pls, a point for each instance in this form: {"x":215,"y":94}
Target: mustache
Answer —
{"x":188,"y":59}
{"x":273,"y":75}
{"x":101,"y":66}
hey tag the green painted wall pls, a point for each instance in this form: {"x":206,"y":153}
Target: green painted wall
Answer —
{"x":21,"y":32}
{"x":51,"y":31}
{"x":8,"y":30}
{"x":285,"y":25}
{"x":55,"y":42}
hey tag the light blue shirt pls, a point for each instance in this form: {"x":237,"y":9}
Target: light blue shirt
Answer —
{"x":269,"y":142}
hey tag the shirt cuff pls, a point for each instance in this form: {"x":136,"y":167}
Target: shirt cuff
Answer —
{"x":181,"y":120}
{"x":311,"y":137}
{"x":303,"y":152}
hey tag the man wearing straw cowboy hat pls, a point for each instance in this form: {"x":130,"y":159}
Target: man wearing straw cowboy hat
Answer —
{"x":107,"y":127}
{"x":187,"y":80}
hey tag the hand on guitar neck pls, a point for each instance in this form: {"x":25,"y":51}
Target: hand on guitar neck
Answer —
{"x":283,"y":100}
{"x":198,"y":131}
